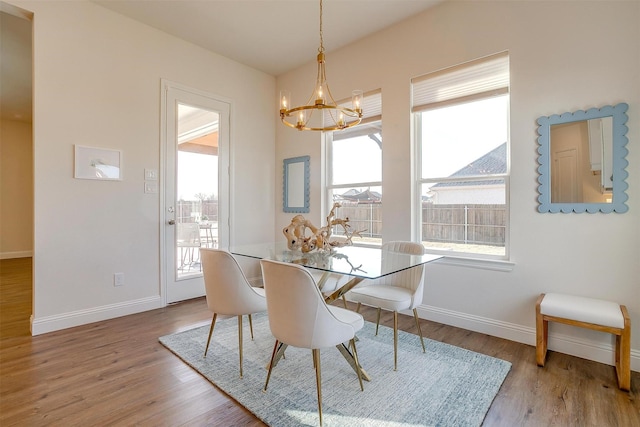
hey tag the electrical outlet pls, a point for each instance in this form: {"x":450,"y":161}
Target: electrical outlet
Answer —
{"x":118,"y":279}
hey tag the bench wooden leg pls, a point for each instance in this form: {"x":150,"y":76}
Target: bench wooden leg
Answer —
{"x":623,"y":353}
{"x":542,"y":333}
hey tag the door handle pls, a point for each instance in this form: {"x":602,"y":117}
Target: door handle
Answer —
{"x":172,"y":222}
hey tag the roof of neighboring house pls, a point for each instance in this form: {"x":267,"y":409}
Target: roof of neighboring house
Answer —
{"x":494,"y":162}
{"x":362,"y":197}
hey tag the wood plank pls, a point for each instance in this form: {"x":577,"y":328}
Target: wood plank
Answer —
{"x":15,"y":297}
{"x":117,"y":373}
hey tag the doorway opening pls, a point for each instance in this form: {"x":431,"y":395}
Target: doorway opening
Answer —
{"x":16,"y":171}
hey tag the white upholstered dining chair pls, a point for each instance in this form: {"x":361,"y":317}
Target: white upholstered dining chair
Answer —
{"x":229,"y":292}
{"x":299,"y":316}
{"x":399,"y":291}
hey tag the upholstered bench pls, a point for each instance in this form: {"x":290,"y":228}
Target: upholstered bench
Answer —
{"x":599,"y":315}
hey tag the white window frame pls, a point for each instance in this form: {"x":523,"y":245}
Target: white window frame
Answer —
{"x":435,"y":95}
{"x":372,"y":116}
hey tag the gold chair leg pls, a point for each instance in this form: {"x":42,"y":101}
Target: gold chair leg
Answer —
{"x":355,"y":358}
{"x":213,"y":323}
{"x":358,"y":308}
{"x":415,"y":316}
{"x":395,"y":340}
{"x":273,"y":356}
{"x":344,"y":301}
{"x":316,"y":362}
{"x":251,"y":327}
{"x":240,"y":342}
{"x":378,"y":321}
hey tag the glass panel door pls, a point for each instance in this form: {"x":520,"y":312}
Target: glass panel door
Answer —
{"x":195,"y":211}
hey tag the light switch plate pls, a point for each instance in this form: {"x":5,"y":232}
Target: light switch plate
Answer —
{"x":150,"y":174}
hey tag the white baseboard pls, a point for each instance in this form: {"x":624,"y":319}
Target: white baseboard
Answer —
{"x":42,"y":325}
{"x":586,"y":349}
{"x":17,"y":254}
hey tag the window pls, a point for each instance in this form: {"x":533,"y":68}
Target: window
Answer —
{"x":461,"y":129}
{"x":353,"y":159}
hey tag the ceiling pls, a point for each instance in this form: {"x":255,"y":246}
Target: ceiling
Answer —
{"x":273,"y":36}
{"x":270,"y":35}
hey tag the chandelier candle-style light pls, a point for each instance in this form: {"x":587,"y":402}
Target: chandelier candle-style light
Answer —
{"x":329,"y":116}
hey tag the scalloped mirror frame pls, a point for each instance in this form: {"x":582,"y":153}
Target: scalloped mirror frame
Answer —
{"x":620,"y":163}
{"x":298,"y":181}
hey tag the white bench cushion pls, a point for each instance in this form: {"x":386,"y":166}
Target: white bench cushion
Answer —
{"x":589,"y":310}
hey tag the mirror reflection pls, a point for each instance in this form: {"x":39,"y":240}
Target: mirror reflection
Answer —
{"x":582,"y":161}
{"x":295,"y":191}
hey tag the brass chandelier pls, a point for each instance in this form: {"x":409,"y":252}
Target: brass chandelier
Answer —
{"x":321,"y":112}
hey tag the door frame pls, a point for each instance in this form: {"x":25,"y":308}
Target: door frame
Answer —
{"x":224,"y":182}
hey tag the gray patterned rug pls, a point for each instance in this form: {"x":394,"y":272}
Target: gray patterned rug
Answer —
{"x":447,"y":386}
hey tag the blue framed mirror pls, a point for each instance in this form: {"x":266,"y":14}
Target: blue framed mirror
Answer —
{"x":295,"y":197}
{"x":582,"y":157}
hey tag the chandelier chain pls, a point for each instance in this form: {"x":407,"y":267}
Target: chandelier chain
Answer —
{"x":321,"y":48}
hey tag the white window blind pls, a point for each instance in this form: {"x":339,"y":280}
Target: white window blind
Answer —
{"x":371,"y":106}
{"x":480,"y":78}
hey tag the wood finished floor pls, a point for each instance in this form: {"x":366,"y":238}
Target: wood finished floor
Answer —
{"x":116,"y":373}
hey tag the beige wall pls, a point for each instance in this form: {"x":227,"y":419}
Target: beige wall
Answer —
{"x":16,"y":189}
{"x":97,"y":82}
{"x":564,"y":56}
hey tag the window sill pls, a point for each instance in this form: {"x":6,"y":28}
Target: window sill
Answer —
{"x":484,"y":264}
{"x":481,"y":263}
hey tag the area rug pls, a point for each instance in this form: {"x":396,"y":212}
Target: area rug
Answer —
{"x":446,"y":386}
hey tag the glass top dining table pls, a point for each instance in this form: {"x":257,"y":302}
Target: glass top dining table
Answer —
{"x":356,"y":261}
